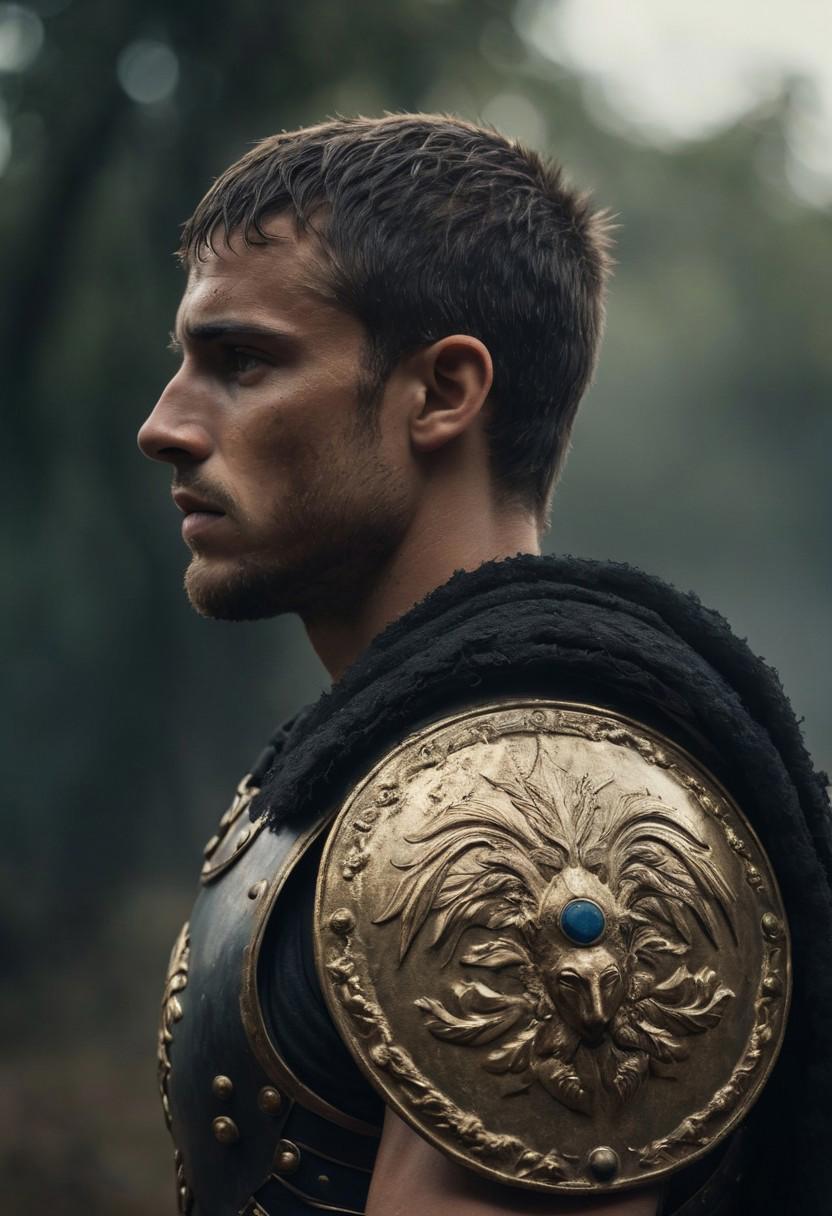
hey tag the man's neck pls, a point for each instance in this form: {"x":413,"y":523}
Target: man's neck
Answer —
{"x":426,"y":559}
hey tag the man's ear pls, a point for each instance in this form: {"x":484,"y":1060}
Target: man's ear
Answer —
{"x":457,"y":374}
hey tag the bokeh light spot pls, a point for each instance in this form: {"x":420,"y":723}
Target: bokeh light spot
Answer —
{"x":517,"y":117}
{"x":686,"y":71}
{"x":21,"y":37}
{"x":148,"y":71}
{"x":5,"y":145}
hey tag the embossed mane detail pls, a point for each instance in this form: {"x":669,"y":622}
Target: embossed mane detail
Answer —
{"x":592,"y":906}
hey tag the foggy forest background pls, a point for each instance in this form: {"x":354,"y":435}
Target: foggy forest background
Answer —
{"x":702,"y":454}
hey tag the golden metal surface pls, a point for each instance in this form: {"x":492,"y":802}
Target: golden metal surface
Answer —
{"x":225,"y":846}
{"x":184,"y":1197}
{"x":265,"y":1051}
{"x":270,"y":1100}
{"x":286,"y":1158}
{"x":539,"y":1048}
{"x":225,"y":1130}
{"x":222,"y":1087}
{"x":176,"y":980}
{"x":603,"y":1163}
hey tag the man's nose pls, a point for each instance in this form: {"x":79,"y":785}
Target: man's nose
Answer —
{"x":174,"y":431}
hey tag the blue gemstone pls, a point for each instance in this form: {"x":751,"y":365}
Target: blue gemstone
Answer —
{"x":583,"y":922}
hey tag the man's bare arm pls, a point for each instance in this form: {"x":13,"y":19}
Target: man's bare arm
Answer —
{"x":411,"y":1178}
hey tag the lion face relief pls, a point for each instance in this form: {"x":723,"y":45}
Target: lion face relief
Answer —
{"x":577,"y":947}
{"x":586,"y":988}
{"x":585,"y":908}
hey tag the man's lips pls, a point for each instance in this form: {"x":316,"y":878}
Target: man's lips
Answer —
{"x":199,"y":514}
{"x":189,"y":503}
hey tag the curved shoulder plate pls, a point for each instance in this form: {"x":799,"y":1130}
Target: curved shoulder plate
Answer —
{"x":555,"y":945}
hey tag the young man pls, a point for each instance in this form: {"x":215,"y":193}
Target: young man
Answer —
{"x":493,"y":892}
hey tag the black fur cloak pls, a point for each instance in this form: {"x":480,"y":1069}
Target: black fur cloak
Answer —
{"x":613,"y":636}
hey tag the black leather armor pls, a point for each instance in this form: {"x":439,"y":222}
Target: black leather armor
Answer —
{"x":250,"y":1136}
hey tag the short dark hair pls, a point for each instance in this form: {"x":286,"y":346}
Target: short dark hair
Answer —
{"x":432,"y":225}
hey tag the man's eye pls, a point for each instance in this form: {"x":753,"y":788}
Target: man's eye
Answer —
{"x":243,"y":362}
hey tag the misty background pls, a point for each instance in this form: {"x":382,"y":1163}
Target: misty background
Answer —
{"x":701,"y":453}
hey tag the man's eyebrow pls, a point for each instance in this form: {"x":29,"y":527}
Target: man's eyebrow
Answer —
{"x":214,"y":331}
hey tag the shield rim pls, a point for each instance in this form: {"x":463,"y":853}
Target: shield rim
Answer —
{"x":378,"y":1078}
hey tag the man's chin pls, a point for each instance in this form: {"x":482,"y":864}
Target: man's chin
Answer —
{"x":242,"y":593}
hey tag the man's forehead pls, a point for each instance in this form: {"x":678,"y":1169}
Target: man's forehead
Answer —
{"x":280,"y":276}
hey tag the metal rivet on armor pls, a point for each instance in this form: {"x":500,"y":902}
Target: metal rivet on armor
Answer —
{"x":242,"y":838}
{"x":771,"y":926}
{"x":225,"y":1130}
{"x":269,"y":1100}
{"x":771,"y":985}
{"x":222,"y":1087}
{"x":257,"y":889}
{"x":323,"y":1179}
{"x":341,"y":921}
{"x":211,"y":846}
{"x":286,"y":1157}
{"x":603,"y":1163}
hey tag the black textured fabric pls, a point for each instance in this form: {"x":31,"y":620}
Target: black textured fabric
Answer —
{"x":609,"y":634}
{"x":294,"y":1006}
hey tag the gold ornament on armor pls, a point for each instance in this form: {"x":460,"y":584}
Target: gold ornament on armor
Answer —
{"x":176,"y":980}
{"x":587,"y":899}
{"x":555,"y":945}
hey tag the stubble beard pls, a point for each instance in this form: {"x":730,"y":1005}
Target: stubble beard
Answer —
{"x":330,"y":548}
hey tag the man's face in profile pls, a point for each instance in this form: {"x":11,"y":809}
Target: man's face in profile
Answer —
{"x":292,"y":494}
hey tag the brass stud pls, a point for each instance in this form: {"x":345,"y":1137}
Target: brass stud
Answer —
{"x":269,"y":1100}
{"x":286,"y":1157}
{"x":242,"y":838}
{"x":257,"y":889}
{"x":323,"y":1179}
{"x":225,"y":1130}
{"x":771,"y":926}
{"x":603,"y":1163}
{"x":222,"y":1087}
{"x":211,"y":846}
{"x":342,"y":921}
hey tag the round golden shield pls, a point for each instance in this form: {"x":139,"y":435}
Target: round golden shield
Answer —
{"x":555,"y":945}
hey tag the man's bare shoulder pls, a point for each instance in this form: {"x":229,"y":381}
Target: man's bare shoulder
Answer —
{"x":411,"y":1178}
